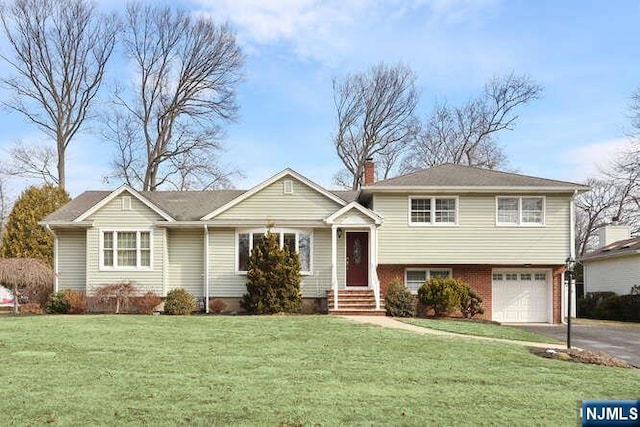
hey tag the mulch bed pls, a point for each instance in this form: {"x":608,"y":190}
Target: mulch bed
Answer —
{"x":581,"y":356}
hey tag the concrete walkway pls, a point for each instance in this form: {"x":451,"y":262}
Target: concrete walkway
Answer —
{"x":390,"y":322}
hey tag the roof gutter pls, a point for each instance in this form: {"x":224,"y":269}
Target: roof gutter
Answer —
{"x":472,"y":189}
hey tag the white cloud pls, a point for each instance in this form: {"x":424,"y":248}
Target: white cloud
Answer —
{"x":590,"y":160}
{"x":337,"y":31}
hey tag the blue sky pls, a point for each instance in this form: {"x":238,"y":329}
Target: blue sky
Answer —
{"x":585,"y":54}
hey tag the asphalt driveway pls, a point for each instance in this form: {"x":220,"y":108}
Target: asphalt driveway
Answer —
{"x":619,"y":340}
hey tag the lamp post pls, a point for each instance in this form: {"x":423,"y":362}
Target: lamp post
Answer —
{"x":570,"y":264}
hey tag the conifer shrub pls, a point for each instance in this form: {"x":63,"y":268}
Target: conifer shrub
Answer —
{"x":58,"y":303}
{"x":470,"y":302}
{"x":23,"y":236}
{"x":179,"y":302}
{"x":399,"y":301}
{"x":273,"y":279}
{"x":442,"y":295}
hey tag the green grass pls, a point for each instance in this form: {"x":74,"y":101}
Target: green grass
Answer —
{"x":490,"y":330}
{"x":279,"y":370}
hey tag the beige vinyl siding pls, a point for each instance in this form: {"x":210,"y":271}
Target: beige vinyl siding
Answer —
{"x":271,"y":203}
{"x":612,"y":274}
{"x":71,"y":259}
{"x":476,"y":239}
{"x":225,"y":282}
{"x":112,"y":217}
{"x":186,"y":260}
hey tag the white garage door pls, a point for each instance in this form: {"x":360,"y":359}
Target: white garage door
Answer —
{"x":521,"y":296}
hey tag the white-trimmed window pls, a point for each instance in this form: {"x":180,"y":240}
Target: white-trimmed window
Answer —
{"x":129,"y":249}
{"x":433,"y":210}
{"x":415,"y":277}
{"x":520,"y":210}
{"x":299,"y":241}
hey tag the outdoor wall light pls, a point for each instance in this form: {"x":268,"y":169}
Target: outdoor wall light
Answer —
{"x":339,"y":233}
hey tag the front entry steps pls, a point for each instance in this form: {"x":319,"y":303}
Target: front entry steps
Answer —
{"x":355,"y":302}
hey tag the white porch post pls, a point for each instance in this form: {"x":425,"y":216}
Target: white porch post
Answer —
{"x":334,"y":265}
{"x":373,"y":263}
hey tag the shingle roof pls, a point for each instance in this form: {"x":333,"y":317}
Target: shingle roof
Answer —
{"x":180,"y":205}
{"x":621,"y":247}
{"x":449,"y":175}
{"x":347,"y":195}
{"x":77,"y":206}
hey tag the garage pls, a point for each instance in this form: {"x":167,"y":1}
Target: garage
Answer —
{"x":521,"y":296}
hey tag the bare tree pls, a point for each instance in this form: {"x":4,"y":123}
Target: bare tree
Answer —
{"x":167,"y":127}
{"x":6,"y":203}
{"x":60,"y":50}
{"x":616,"y":195}
{"x":374,"y":118}
{"x":467,"y":135}
{"x":31,"y":162}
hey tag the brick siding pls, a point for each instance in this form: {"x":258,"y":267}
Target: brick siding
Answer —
{"x":476,"y":276}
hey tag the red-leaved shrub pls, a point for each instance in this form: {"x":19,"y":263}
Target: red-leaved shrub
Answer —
{"x":31,"y":308}
{"x":146,"y":304}
{"x":217,"y":306}
{"x":77,"y":301}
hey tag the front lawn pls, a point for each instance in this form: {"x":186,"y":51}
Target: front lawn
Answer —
{"x":490,"y":330}
{"x":279,"y":370}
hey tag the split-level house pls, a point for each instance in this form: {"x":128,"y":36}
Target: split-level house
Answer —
{"x":506,"y":235}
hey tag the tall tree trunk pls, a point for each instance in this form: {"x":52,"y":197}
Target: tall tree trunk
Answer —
{"x":61,"y":166}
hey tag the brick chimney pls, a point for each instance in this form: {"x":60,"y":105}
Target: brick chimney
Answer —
{"x":369,"y":171}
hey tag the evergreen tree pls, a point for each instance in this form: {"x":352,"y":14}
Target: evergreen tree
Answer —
{"x":273,"y":278}
{"x":23,"y":237}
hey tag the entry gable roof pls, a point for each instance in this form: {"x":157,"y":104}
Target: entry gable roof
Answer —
{"x":123,"y":188}
{"x":287,"y":172}
{"x":460,"y":177}
{"x":377,"y":219}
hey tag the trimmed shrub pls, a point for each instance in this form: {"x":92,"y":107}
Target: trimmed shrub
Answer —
{"x":399,"y":301}
{"x":77,"y":301}
{"x":442,"y":295}
{"x":273,"y":279}
{"x":217,"y":306}
{"x":610,"y":306}
{"x":179,"y":302}
{"x":588,"y":305}
{"x":58,"y":303}
{"x":146,"y":304}
{"x":470,"y":302}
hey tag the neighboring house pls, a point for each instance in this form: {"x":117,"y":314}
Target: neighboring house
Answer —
{"x":615,"y":265}
{"x":505,"y":234}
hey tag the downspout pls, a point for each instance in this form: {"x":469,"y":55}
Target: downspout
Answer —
{"x":206,"y":268}
{"x":55,"y":258}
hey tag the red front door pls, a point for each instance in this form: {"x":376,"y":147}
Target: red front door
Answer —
{"x":357,"y":259}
